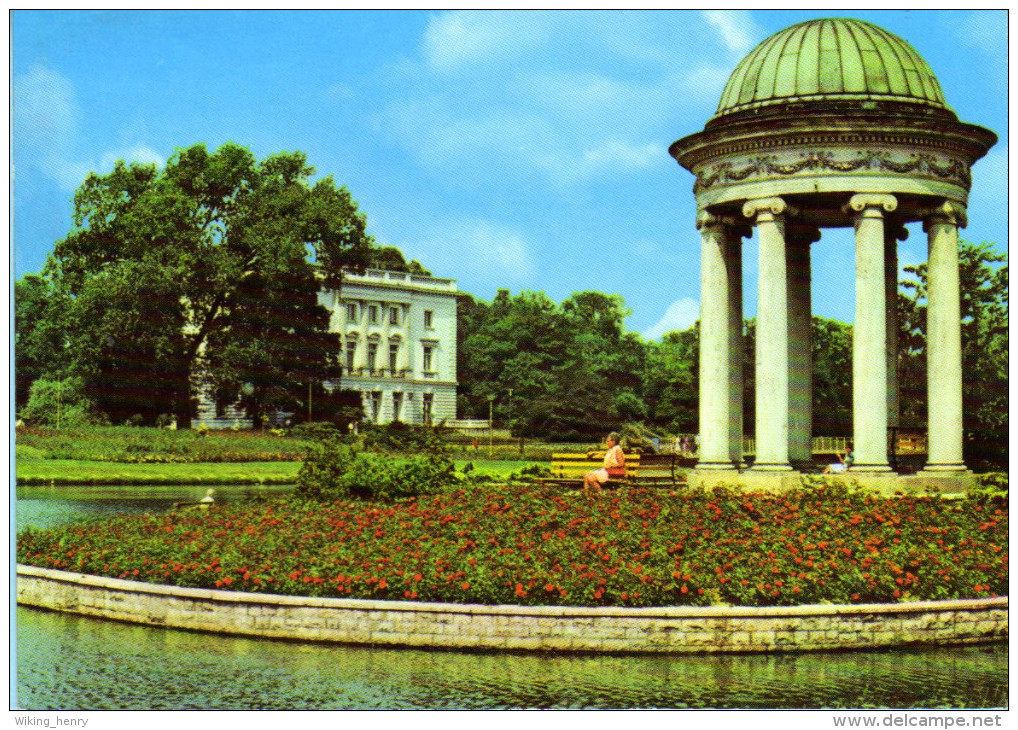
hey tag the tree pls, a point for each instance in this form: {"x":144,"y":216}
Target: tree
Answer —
{"x":671,"y":380}
{"x":40,"y":343}
{"x":205,"y":274}
{"x":391,"y":258}
{"x":984,"y":337}
{"x":832,"y":377}
{"x":557,"y":371}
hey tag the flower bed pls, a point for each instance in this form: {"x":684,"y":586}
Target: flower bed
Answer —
{"x":528,"y":546}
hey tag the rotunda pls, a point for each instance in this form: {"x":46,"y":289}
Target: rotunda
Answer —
{"x":828,"y":123}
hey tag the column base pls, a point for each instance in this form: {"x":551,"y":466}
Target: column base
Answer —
{"x":872,"y":468}
{"x":771,"y":467}
{"x":941,"y":468}
{"x":716,"y":466}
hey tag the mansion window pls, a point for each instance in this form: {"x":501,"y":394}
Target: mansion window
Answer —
{"x":428,"y":318}
{"x":394,"y":315}
{"x":351,"y":353}
{"x":397,"y":406}
{"x":429,"y":359}
{"x":351,"y":312}
{"x":393,"y":357}
{"x":372,"y":356}
{"x":428,"y":404}
{"x":373,"y":314}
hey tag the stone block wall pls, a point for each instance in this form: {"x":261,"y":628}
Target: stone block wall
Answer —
{"x":538,"y":628}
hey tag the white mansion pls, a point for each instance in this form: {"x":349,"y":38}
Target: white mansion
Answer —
{"x":399,"y":344}
{"x":399,"y":348}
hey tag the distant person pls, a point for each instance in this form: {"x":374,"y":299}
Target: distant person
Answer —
{"x":475,"y":444}
{"x":843,"y":465}
{"x":614,"y":465}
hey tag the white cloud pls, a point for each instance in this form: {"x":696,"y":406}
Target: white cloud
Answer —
{"x":45,"y":122}
{"x":737,"y":29}
{"x":46,"y":131}
{"x":681,"y":314}
{"x":554,"y":98}
{"x":460,"y":38}
{"x":137,"y":153}
{"x":480,"y":250}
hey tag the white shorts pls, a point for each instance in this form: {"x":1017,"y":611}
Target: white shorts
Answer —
{"x":839,"y":467}
{"x":601,"y":475}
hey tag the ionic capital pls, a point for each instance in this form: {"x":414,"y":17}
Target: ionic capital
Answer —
{"x":948,"y":212}
{"x":706,"y":219}
{"x":869,"y":204}
{"x":734,"y":229}
{"x":767,"y":208}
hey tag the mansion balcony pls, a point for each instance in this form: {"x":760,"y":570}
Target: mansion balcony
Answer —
{"x":365,"y":372}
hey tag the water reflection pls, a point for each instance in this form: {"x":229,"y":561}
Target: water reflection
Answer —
{"x":53,"y":506}
{"x":73,"y":662}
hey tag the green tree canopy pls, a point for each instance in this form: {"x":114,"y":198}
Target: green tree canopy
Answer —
{"x":204,"y":274}
{"x":559,"y":371}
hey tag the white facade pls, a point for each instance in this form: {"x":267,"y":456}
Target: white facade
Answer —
{"x":399,"y":344}
{"x":398,"y":349}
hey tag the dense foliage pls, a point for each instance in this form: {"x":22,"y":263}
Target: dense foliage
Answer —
{"x":335,"y":470}
{"x":529,"y":546}
{"x":559,"y":372}
{"x":205,"y":272}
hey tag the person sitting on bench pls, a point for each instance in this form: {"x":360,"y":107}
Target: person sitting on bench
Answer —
{"x":843,"y":465}
{"x":614,"y":465}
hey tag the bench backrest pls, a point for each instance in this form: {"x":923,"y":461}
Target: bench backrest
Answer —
{"x":565,"y":466}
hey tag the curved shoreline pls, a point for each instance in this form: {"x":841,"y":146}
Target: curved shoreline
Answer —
{"x":669,"y":629}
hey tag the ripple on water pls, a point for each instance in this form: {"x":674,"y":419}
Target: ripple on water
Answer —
{"x":73,"y":662}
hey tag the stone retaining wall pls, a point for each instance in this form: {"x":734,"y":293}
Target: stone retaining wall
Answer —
{"x":540,"y":628}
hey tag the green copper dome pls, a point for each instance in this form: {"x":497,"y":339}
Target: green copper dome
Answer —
{"x":836,"y":58}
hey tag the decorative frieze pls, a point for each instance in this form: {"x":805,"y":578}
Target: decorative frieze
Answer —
{"x":791,"y":163}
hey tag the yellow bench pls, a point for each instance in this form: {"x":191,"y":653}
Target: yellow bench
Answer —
{"x":567,"y":469}
{"x":572,"y":467}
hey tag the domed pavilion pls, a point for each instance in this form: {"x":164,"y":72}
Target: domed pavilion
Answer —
{"x":828,"y":123}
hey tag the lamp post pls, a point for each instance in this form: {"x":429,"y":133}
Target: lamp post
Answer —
{"x":491,"y":422}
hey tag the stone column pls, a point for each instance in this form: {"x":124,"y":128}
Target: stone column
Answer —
{"x":943,"y":339}
{"x":768,"y":215}
{"x":869,"y":333}
{"x":892,"y":235}
{"x":715,"y":344}
{"x":800,"y":343}
{"x":736,"y":342}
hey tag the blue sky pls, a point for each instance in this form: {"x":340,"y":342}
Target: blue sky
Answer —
{"x":524,"y":150}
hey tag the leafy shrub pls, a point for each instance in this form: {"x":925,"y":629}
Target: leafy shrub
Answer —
{"x":334,"y":470}
{"x":531,"y":473}
{"x":992,"y":488}
{"x":315,"y":431}
{"x":397,"y":436}
{"x":58,"y":402}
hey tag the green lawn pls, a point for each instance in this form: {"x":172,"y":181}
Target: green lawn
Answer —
{"x":69,"y":471}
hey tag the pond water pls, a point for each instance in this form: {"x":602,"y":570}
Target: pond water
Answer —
{"x":73,"y":662}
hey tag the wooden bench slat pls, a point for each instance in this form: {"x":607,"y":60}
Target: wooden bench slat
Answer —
{"x":568,"y":469}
